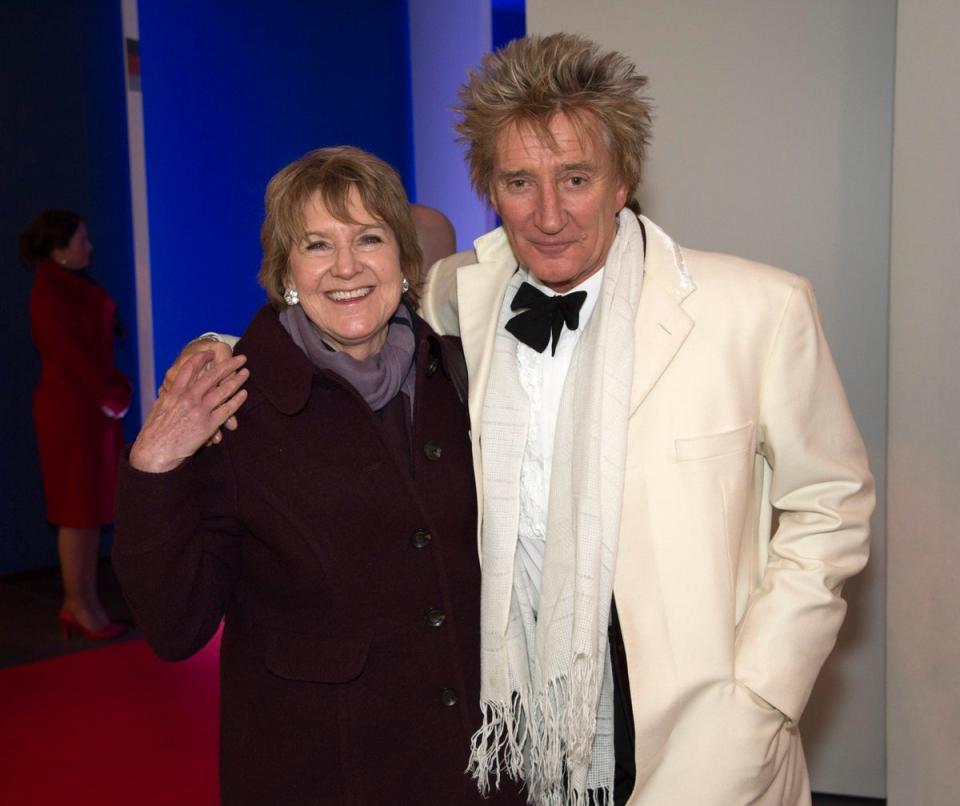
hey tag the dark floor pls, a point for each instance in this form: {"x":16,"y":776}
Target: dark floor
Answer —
{"x":28,"y":615}
{"x":29,"y":631}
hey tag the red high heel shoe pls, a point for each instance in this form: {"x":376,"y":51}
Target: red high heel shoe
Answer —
{"x":69,"y":624}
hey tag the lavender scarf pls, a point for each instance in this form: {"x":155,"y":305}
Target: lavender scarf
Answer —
{"x":378,"y":378}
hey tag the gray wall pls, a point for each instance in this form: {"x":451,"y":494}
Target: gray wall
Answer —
{"x":772,"y":140}
{"x":923,"y":605}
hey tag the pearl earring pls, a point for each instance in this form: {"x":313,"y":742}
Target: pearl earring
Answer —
{"x":291,"y":297}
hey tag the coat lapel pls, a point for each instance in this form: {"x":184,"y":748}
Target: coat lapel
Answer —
{"x":480,"y":290}
{"x":661,"y":325}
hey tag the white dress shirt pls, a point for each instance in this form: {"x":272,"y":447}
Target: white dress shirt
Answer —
{"x":542,"y":376}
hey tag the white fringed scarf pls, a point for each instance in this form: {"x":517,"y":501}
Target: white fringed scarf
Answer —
{"x":547,"y":687}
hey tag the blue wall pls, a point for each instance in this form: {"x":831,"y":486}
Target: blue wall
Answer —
{"x":63,"y":142}
{"x":508,"y":20}
{"x":232,"y":93}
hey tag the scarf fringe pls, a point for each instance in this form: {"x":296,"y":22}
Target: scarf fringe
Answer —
{"x":543,"y":746}
{"x":497,"y":746}
{"x":580,"y":715}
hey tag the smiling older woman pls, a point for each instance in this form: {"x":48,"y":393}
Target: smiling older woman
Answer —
{"x":335,"y":532}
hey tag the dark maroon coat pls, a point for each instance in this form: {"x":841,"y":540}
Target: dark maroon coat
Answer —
{"x":348,"y":576}
{"x":72,"y":322}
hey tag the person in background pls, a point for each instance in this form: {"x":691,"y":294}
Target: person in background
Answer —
{"x":335,"y":533}
{"x":435,"y":234}
{"x":77,"y":408}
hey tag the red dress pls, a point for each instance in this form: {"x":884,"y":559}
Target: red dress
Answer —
{"x":73,"y":328}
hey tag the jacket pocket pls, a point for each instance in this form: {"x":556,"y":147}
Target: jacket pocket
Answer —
{"x":316,"y":660}
{"x":691,"y":449}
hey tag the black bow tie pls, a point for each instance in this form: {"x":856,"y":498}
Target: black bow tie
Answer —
{"x":544,"y":316}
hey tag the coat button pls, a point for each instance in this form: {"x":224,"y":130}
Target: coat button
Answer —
{"x":434,"y":617}
{"x":432,"y":451}
{"x":449,"y":696}
{"x":432,"y":367}
{"x":420,"y":538}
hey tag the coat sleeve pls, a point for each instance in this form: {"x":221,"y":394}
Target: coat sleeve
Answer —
{"x":176,"y":550}
{"x":820,"y":482}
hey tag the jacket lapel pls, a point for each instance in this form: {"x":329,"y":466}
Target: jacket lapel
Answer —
{"x":480,"y":290}
{"x":661,"y":325}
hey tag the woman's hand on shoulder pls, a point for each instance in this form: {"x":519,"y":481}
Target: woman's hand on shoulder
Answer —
{"x":204,"y":394}
{"x":204,"y":344}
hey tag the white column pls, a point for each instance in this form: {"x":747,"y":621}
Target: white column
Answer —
{"x":141,"y":229}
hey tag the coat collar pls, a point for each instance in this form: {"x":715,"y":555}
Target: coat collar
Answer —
{"x":663,"y":264}
{"x":281,"y":370}
{"x":661,"y":325}
{"x":278,"y":368}
{"x":78,"y":281}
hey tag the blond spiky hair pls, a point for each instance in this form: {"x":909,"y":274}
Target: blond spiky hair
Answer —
{"x":532,"y":79}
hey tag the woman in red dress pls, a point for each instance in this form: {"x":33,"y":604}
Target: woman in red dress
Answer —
{"x":77,"y":407}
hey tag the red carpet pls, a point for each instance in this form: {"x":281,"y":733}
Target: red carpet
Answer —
{"x":112,"y":726}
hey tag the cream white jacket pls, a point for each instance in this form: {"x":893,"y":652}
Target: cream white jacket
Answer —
{"x":746,"y":506}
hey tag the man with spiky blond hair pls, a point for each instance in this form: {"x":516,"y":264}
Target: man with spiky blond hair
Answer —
{"x":647,"y":637}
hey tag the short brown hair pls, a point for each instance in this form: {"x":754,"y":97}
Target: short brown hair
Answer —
{"x":532,"y":79}
{"x":332,"y":172}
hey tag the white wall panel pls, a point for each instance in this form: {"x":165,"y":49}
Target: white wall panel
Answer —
{"x":923,"y":606}
{"x":772,"y":140}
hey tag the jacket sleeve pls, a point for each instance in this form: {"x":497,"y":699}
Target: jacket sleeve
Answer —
{"x":176,"y":550}
{"x":820,"y":482}
{"x":106,"y":385}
